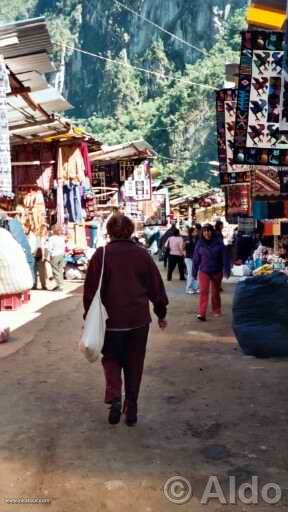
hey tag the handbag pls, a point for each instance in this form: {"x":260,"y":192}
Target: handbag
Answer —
{"x":92,"y":339}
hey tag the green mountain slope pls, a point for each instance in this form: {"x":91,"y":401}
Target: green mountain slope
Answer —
{"x":119,"y":103}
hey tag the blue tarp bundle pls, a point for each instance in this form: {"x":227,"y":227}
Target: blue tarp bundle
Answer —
{"x":260,"y":315}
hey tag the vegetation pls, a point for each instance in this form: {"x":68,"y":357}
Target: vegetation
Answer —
{"x":174,"y":116}
{"x":172,"y":111}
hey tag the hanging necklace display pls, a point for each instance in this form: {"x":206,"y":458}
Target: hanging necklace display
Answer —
{"x":5,"y":155}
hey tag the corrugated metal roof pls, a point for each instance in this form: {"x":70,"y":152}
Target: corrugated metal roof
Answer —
{"x":32,"y":115}
{"x":42,"y":129}
{"x":19,"y":111}
{"x":32,"y":34}
{"x":51,"y":100}
{"x":136,"y":149}
{"x":33,"y":79}
{"x":33,"y":62}
{"x":59,"y":129}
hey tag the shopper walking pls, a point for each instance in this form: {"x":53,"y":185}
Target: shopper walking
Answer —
{"x":130,"y":280}
{"x":219,"y":226}
{"x":163,"y":251}
{"x":209,"y":262}
{"x":175,"y":247}
{"x":40,"y":256}
{"x":56,"y":251}
{"x":189,"y":247}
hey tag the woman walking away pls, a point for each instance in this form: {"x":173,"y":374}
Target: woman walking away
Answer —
{"x":56,"y":251}
{"x":130,"y":280}
{"x":175,"y":247}
{"x":170,"y":232}
{"x":209,"y":261}
{"x":189,"y":247}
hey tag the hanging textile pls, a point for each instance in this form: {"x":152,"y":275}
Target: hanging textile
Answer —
{"x":72,"y":202}
{"x":284,"y":86}
{"x":283,"y":177}
{"x":238,"y":200}
{"x":260,"y":210}
{"x":266,"y":182}
{"x":272,"y":228}
{"x":276,"y":228}
{"x":258,"y":139}
{"x":226,"y":102}
{"x":5,"y":156}
{"x":41,"y":174}
{"x":70,"y":165}
{"x":86,"y":160}
{"x":284,"y":228}
{"x":60,"y":205}
{"x":275,"y":210}
{"x":268,"y":228}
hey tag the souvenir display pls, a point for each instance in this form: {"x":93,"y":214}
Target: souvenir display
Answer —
{"x":5,"y":156}
{"x":238,"y":200}
{"x":226,"y":102}
{"x":266,"y":182}
{"x":234,"y":178}
{"x":258,"y":138}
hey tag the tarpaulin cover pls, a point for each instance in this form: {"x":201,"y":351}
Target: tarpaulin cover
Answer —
{"x":260,"y":319}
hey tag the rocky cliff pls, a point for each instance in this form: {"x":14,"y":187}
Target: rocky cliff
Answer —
{"x":106,"y":27}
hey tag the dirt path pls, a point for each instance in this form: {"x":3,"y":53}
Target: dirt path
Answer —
{"x":205,"y":410}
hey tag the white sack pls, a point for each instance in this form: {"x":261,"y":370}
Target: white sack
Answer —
{"x":15,"y":273}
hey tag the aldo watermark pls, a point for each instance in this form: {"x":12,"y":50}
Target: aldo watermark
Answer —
{"x":179,"y":490}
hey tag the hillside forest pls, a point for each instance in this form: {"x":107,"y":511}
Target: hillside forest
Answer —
{"x":173,"y":110}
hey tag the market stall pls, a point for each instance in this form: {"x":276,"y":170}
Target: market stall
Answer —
{"x":121,"y":178}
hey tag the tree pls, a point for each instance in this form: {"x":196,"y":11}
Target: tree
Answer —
{"x":120,"y":89}
{"x":156,"y":59}
{"x":16,"y":10}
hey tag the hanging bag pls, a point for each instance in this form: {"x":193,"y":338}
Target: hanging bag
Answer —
{"x":92,"y":339}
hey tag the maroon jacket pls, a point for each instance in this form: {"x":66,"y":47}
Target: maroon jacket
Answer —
{"x":131,"y":279}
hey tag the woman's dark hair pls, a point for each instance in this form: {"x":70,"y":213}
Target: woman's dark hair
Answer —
{"x":208,"y":227}
{"x":219,"y":225}
{"x":120,"y":227}
{"x":176,"y":232}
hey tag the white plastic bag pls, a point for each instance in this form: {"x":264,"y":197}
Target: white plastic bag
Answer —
{"x":92,"y":339}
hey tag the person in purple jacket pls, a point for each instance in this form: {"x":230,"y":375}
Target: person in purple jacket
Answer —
{"x":131,"y":280}
{"x":210,"y":262}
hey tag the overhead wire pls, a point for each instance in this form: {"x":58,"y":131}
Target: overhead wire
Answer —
{"x":143,"y":70}
{"x":204,"y":52}
{"x":162,"y":157}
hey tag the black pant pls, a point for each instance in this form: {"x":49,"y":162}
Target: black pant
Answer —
{"x":124,"y":350}
{"x":172,"y":262}
{"x":165,"y":258}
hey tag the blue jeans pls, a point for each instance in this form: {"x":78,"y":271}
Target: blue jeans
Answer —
{"x":191,"y":283}
{"x":72,"y":202}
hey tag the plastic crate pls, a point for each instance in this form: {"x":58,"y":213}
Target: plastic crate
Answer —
{"x":10,"y":302}
{"x":26,"y":296}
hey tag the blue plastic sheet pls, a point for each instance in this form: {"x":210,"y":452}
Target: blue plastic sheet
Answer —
{"x":260,"y":315}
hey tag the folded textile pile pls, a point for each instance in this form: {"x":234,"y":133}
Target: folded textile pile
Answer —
{"x":15,"y":274}
{"x":4,"y":333}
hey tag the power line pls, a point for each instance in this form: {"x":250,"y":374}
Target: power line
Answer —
{"x":160,"y":28}
{"x":143,"y":70}
{"x":162,"y":157}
